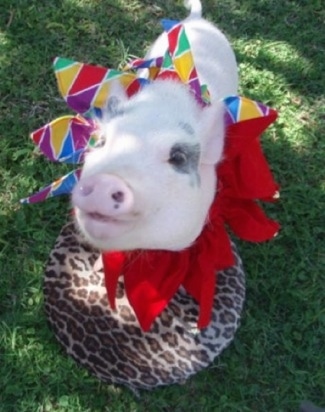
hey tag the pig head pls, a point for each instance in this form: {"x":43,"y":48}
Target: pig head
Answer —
{"x":151,"y":180}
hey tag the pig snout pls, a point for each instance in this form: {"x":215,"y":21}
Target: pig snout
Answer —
{"x":104,"y":205}
{"x":103,"y":194}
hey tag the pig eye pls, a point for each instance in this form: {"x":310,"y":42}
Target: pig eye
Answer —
{"x":184,"y":158}
{"x":177,"y":158}
{"x":99,"y":143}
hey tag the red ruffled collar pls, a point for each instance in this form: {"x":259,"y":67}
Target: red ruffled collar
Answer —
{"x":152,"y":278}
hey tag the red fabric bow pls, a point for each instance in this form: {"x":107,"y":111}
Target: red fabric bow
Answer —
{"x":153,"y":277}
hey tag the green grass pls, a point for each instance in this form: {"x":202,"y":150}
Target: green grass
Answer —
{"x":278,"y":356}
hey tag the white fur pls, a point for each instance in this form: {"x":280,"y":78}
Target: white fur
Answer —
{"x":169,"y":210}
{"x":194,"y":6}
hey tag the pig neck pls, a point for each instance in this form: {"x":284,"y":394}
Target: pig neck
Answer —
{"x":156,"y":275}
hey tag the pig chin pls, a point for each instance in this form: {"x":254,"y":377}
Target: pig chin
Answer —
{"x":107,"y":233}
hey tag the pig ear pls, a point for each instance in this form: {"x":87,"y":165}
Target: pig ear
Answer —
{"x":212,"y":132}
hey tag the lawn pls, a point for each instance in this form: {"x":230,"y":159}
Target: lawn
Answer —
{"x":278,"y":356}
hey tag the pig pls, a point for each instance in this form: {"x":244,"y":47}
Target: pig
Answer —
{"x":151,"y":180}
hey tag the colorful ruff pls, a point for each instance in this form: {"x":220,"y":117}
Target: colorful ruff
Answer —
{"x":152,"y":277}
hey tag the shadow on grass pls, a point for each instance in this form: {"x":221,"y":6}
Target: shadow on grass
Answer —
{"x":284,"y":304}
{"x":297,"y":23}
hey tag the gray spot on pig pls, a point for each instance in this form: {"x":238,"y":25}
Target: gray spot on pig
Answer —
{"x":187,"y":128}
{"x":184,"y":158}
{"x":113,"y":108}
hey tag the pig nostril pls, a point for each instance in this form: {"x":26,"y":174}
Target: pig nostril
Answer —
{"x":118,"y":197}
{"x":86,"y":190}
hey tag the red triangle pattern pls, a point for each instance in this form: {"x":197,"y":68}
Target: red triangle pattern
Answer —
{"x":37,"y":136}
{"x":173,"y":38}
{"x":88,"y":76}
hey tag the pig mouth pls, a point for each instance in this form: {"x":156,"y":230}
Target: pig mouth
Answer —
{"x":102,"y":218}
{"x":103,"y":227}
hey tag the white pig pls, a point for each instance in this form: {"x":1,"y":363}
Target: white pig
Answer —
{"x":151,"y":183}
